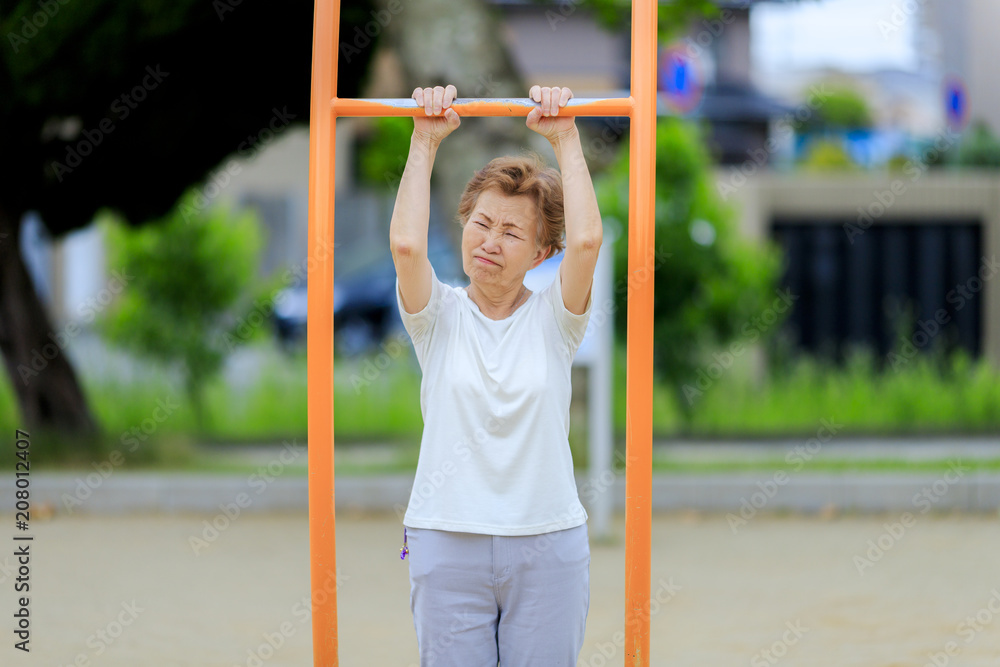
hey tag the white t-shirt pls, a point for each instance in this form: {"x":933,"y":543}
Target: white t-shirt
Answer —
{"x":494,"y":456}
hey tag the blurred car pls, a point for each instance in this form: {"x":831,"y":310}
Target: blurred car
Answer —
{"x":364,"y":304}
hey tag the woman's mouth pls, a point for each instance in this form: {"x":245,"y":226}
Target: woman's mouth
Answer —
{"x":486,"y":261}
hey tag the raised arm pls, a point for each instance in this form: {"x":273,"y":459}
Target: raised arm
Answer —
{"x":583,"y":218}
{"x":411,"y":214}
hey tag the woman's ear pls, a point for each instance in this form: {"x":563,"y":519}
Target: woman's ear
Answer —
{"x":541,"y":255}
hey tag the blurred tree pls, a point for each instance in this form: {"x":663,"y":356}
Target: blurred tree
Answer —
{"x":710,"y":284}
{"x":125,"y":105}
{"x":674,"y":17}
{"x":843,"y":109}
{"x":187,"y":274}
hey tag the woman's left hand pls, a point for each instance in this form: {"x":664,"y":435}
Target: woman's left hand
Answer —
{"x":546,"y":120}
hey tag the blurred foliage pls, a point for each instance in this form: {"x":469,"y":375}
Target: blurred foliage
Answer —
{"x":125,"y":105}
{"x":709,"y":281}
{"x":674,"y":16}
{"x":843,"y":109}
{"x":978,"y":148}
{"x":382,"y":152}
{"x":189,"y":273}
{"x":207,"y":78}
{"x":827,"y":155}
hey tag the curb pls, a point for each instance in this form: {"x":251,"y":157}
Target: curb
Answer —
{"x":748,"y":493}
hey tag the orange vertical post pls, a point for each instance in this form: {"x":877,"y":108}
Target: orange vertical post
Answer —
{"x":319,"y":335}
{"x":639,"y":342}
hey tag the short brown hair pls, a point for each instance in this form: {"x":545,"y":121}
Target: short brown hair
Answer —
{"x":522,"y":175}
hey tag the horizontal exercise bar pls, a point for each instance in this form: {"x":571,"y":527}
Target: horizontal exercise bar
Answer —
{"x":470,"y":107}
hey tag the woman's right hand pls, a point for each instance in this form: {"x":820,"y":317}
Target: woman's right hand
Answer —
{"x":439,"y":120}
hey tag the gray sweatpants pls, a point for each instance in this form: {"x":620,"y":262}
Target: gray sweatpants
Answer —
{"x":483,"y":600}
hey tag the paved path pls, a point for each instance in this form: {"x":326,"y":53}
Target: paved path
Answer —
{"x":864,"y":591}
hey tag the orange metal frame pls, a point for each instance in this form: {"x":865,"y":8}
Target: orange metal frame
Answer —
{"x":640,"y":107}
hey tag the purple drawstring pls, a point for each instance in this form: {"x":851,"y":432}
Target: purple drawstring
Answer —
{"x":405,"y":550}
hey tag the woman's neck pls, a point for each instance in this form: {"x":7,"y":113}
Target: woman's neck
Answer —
{"x":498,"y":303}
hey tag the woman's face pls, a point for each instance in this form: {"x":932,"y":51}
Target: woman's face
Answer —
{"x":499,"y":240}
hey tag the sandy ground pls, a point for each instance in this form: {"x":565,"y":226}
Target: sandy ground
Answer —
{"x":781,"y":590}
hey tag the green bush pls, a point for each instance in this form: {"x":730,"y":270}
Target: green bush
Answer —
{"x":709,"y":282}
{"x":826,"y":155}
{"x":193,"y":282}
{"x":978,"y":148}
{"x":843,"y":108}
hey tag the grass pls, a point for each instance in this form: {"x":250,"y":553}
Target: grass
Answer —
{"x":919,"y":397}
{"x":378,"y":400}
{"x":151,"y":422}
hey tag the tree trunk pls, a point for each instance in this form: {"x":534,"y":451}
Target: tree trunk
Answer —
{"x":47,"y":389}
{"x":459,"y":42}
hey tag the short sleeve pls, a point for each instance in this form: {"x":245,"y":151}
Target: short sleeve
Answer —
{"x":571,"y":326}
{"x":420,"y":325}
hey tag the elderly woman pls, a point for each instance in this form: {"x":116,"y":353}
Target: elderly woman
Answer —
{"x":495,"y":532}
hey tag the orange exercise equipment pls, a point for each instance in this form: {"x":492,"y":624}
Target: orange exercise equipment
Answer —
{"x":325,"y":107}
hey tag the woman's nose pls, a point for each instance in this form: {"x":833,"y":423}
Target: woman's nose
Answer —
{"x":492,"y":239}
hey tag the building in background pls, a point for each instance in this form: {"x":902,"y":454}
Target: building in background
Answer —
{"x":714,"y":64}
{"x":958,"y":42}
{"x":897,"y":260}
